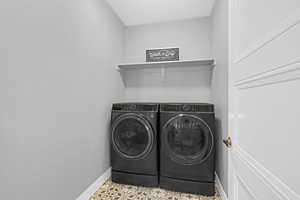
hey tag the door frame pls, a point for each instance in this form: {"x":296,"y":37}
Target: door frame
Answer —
{"x":232,"y":101}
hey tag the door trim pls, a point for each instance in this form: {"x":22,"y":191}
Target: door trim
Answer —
{"x":265,"y":176}
{"x":220,"y":188}
{"x":281,"y":29}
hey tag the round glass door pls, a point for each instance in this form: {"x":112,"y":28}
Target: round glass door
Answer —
{"x":132,"y":136}
{"x":188,"y":139}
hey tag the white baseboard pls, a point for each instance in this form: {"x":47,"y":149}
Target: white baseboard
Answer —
{"x":220,"y":188}
{"x":87,"y":194}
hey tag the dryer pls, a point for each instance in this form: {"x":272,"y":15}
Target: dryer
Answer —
{"x":187,"y":147}
{"x":134,"y":144}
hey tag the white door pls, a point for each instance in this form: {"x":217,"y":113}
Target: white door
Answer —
{"x":264,"y":100}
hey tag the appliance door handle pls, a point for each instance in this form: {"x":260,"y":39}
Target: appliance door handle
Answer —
{"x":228,"y":142}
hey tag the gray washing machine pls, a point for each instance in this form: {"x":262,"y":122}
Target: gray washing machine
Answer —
{"x":134,"y":153}
{"x":187,"y":148}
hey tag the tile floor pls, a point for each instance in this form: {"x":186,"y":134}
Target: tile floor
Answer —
{"x":113,"y":191}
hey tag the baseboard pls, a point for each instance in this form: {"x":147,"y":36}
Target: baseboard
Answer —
{"x":87,"y":194}
{"x":220,"y":188}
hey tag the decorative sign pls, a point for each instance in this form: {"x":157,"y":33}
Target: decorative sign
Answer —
{"x":158,"y":55}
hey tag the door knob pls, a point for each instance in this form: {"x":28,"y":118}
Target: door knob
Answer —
{"x":228,"y":142}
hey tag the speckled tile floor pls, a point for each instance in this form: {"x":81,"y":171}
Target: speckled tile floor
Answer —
{"x":113,"y":191}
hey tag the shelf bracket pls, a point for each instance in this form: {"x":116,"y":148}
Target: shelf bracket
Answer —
{"x":163,"y":72}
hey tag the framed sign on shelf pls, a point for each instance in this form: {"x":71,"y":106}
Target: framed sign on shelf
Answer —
{"x":160,"y":55}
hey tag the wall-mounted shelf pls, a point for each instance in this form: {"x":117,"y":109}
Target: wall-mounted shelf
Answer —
{"x":168,"y":64}
{"x":187,"y":73}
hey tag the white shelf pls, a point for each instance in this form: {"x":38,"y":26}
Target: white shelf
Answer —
{"x":168,"y":64}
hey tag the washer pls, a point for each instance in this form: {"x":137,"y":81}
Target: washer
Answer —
{"x":187,"y":148}
{"x":134,"y":144}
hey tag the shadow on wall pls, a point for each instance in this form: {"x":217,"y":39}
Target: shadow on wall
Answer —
{"x":219,"y":139}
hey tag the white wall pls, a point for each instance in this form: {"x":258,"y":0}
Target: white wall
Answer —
{"x":176,"y":86}
{"x":57,"y":83}
{"x":191,"y":36}
{"x":194,"y":40}
{"x":264,"y":96}
{"x":220,"y":51}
